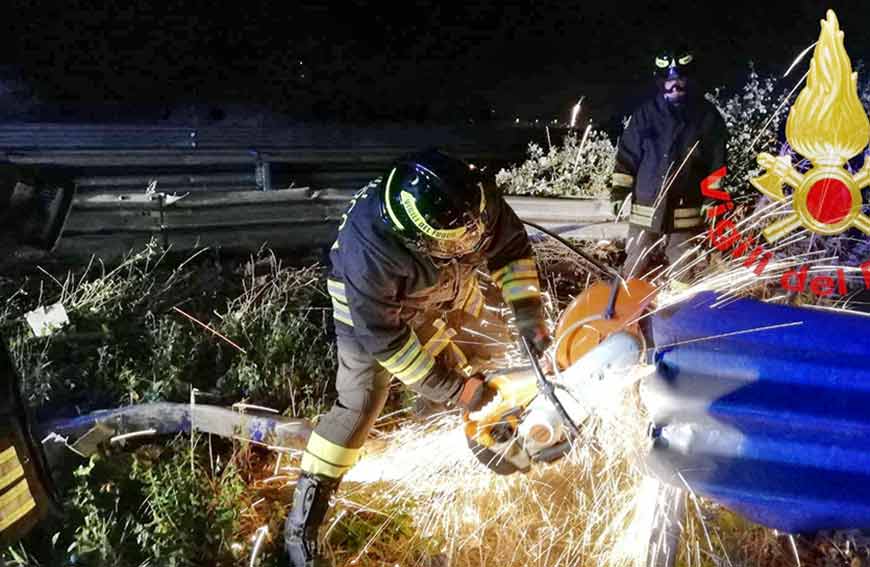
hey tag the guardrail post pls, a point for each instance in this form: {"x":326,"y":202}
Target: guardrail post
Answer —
{"x":263,"y":175}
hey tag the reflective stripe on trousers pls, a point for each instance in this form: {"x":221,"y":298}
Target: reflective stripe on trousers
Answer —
{"x":642,"y":216}
{"x":363,"y":386}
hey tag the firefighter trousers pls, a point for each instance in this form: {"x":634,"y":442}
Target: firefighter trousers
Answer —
{"x":363,"y":386}
{"x":645,"y":249}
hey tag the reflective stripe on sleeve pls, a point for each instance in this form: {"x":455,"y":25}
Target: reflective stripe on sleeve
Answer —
{"x":340,"y":308}
{"x":336,"y":290}
{"x":640,"y":220}
{"x":688,"y":222}
{"x":642,"y":210}
{"x":622,"y":180}
{"x":474,"y":300}
{"x":341,"y":312}
{"x":411,"y":363}
{"x":520,"y":289}
{"x":642,"y":215}
{"x":517,"y":268}
{"x":687,"y":213}
{"x":518,"y":280}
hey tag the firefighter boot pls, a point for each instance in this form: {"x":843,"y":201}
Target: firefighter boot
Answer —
{"x":310,"y":504}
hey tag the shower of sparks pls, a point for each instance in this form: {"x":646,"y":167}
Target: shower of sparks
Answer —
{"x":132,"y":435}
{"x":794,"y":549}
{"x":208,"y":328}
{"x":259,"y":537}
{"x":581,"y":147}
{"x":593,"y":507}
{"x":798,"y":59}
{"x":575,"y":112}
{"x":242,"y":407}
{"x":586,"y":509}
{"x":520,"y":519}
{"x":668,"y":181}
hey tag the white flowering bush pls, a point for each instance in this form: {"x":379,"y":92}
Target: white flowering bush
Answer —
{"x":754,"y":116}
{"x":577,"y":167}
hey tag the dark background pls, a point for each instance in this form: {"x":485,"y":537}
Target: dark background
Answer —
{"x":361,"y":62}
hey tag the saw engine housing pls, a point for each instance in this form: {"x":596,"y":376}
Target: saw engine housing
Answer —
{"x":598,"y":335}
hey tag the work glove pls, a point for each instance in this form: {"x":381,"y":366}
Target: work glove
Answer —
{"x":474,"y":394}
{"x":537,"y":334}
{"x":424,"y":409}
{"x":530,"y":324}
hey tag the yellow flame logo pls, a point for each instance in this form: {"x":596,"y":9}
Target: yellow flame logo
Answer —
{"x":828,"y":126}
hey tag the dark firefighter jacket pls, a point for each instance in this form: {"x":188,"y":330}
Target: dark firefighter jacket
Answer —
{"x":665,"y":158}
{"x":378,"y":284}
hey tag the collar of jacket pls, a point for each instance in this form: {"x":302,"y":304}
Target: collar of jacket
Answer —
{"x":691,"y":107}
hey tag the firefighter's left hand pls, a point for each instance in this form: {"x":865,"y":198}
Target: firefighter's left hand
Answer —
{"x":474,"y":394}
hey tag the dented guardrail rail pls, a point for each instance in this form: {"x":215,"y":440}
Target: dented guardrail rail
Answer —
{"x":110,"y":224}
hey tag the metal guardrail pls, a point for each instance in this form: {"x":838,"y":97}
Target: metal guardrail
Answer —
{"x":583,"y":219}
{"x":109,"y":224}
{"x":227,"y":180}
{"x":322,"y":145}
{"x":81,"y":137}
{"x":127,"y":158}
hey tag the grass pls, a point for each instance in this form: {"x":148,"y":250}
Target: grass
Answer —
{"x":125,"y":344}
{"x":161,"y":505}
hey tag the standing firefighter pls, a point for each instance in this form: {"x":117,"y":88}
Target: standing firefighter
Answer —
{"x":670,"y":158}
{"x":411,"y":241}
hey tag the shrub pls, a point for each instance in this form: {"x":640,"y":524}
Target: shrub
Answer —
{"x":159,"y":505}
{"x":577,"y":167}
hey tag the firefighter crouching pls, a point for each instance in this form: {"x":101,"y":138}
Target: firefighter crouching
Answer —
{"x":669,"y":160}
{"x":411,"y":240}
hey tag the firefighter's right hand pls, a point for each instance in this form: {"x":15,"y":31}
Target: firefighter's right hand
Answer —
{"x":615,"y":208}
{"x":474,"y":394}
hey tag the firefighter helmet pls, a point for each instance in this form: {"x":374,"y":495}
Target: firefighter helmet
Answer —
{"x":673,"y":71}
{"x":436,"y":203}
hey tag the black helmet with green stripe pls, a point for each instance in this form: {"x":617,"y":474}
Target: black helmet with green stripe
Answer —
{"x":436,"y":203}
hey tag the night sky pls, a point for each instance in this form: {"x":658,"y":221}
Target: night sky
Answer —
{"x":416,"y":61}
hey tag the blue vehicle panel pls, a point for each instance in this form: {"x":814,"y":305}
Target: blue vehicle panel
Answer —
{"x":765,"y":409}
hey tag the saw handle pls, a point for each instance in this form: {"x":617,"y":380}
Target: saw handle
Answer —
{"x":547,"y":388}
